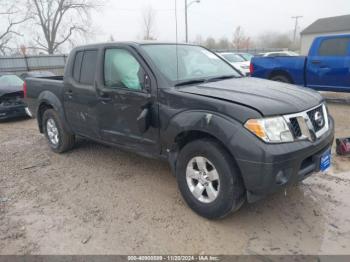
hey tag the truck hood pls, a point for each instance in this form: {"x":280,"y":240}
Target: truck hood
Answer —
{"x":268,"y":97}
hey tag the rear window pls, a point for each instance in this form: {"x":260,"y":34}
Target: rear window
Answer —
{"x":88,"y":67}
{"x":334,"y":47}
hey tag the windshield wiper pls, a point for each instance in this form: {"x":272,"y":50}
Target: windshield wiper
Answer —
{"x":220,"y":78}
{"x":191,"y":82}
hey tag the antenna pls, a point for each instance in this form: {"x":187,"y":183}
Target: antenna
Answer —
{"x":177,"y":52}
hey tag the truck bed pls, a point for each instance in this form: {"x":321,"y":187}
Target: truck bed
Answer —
{"x":37,"y":86}
{"x":266,"y":67}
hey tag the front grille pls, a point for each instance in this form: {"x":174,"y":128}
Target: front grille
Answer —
{"x":312,"y":114}
{"x":295,"y":127}
{"x":308,"y":124}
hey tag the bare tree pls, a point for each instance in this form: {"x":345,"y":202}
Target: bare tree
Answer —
{"x":224,"y":44}
{"x":238,"y":38}
{"x":149,"y":18}
{"x":60,"y":21}
{"x":210,"y":43}
{"x":11,"y":16}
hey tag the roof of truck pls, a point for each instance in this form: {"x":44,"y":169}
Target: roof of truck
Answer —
{"x":132,"y":43}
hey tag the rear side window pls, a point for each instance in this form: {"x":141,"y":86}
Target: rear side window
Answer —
{"x":88,"y":67}
{"x":77,"y":66}
{"x":334,"y":47}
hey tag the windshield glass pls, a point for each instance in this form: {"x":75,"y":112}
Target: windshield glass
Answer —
{"x":10,"y":80}
{"x":195,"y":62}
{"x":233,"y":58}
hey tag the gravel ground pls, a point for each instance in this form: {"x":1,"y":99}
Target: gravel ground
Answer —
{"x":100,"y":200}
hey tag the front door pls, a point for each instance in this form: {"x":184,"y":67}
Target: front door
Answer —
{"x":329,"y":68}
{"x":125,"y":91}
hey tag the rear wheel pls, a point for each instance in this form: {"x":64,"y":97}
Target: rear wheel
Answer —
{"x":209,"y":180}
{"x":60,"y":140}
{"x":280,"y":78}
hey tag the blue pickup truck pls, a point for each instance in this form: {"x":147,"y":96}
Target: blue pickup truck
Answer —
{"x":326,"y":68}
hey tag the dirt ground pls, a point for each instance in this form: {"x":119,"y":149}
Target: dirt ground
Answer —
{"x":100,"y":200}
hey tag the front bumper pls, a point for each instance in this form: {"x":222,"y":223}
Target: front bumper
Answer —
{"x":267,"y":168}
{"x":12,"y":111}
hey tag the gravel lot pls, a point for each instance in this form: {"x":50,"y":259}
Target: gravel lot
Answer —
{"x":100,"y":200}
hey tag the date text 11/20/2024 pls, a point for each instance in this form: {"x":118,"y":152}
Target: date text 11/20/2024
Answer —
{"x":174,"y":258}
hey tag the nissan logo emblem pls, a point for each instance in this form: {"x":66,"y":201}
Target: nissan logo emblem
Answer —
{"x":318,"y":118}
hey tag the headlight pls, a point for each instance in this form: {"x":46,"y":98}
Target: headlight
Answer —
{"x":270,"y":130}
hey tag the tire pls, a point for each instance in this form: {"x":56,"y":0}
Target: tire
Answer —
{"x":229,"y":188}
{"x":63,"y":140}
{"x":280,"y":78}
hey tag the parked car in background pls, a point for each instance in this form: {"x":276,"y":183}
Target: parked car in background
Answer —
{"x":246,"y":56}
{"x":227,"y":138}
{"x":276,"y":54}
{"x":36,"y":74}
{"x":238,"y":62}
{"x":11,"y":94}
{"x":327,"y":67}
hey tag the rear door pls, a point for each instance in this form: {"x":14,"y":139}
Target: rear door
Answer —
{"x":80,"y":95}
{"x":328,"y":66}
{"x":126,"y":88}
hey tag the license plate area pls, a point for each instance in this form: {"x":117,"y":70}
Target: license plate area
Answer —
{"x":325,"y":160}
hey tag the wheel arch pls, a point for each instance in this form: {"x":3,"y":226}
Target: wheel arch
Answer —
{"x":48,"y":100}
{"x":193,"y":125}
{"x":280,"y":72}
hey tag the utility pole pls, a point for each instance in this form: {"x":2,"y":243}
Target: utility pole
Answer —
{"x":187,"y":5}
{"x":296,"y":26}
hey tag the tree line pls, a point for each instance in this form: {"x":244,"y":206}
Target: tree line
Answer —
{"x":55,"y":23}
{"x":239,"y":41}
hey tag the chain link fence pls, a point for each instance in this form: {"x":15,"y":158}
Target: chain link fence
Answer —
{"x":20,"y":64}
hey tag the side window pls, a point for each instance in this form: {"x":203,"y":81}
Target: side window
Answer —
{"x":88,"y":67}
{"x":122,"y":70}
{"x":77,"y":66}
{"x":334,"y":47}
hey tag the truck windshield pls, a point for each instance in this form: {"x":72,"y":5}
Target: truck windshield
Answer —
{"x":185,"y":62}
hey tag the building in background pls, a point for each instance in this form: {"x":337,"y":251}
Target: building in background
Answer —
{"x":325,"y":26}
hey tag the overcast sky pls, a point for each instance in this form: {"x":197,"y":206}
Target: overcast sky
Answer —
{"x":217,"y":18}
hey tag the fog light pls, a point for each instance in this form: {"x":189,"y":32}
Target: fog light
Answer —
{"x":281,"y":178}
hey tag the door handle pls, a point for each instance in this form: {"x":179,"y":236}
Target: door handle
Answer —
{"x":69,"y":93}
{"x":315,"y":62}
{"x":104,"y":99}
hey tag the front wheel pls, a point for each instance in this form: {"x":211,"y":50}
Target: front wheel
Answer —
{"x":209,"y":180}
{"x":60,"y":140}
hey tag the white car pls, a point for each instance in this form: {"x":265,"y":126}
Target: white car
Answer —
{"x":281,"y":53}
{"x":238,"y":62}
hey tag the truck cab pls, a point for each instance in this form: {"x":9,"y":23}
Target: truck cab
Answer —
{"x":326,"y":68}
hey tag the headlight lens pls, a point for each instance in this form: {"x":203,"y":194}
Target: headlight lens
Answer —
{"x":270,"y":130}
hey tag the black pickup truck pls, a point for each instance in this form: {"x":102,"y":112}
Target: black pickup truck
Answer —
{"x":227,"y":138}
